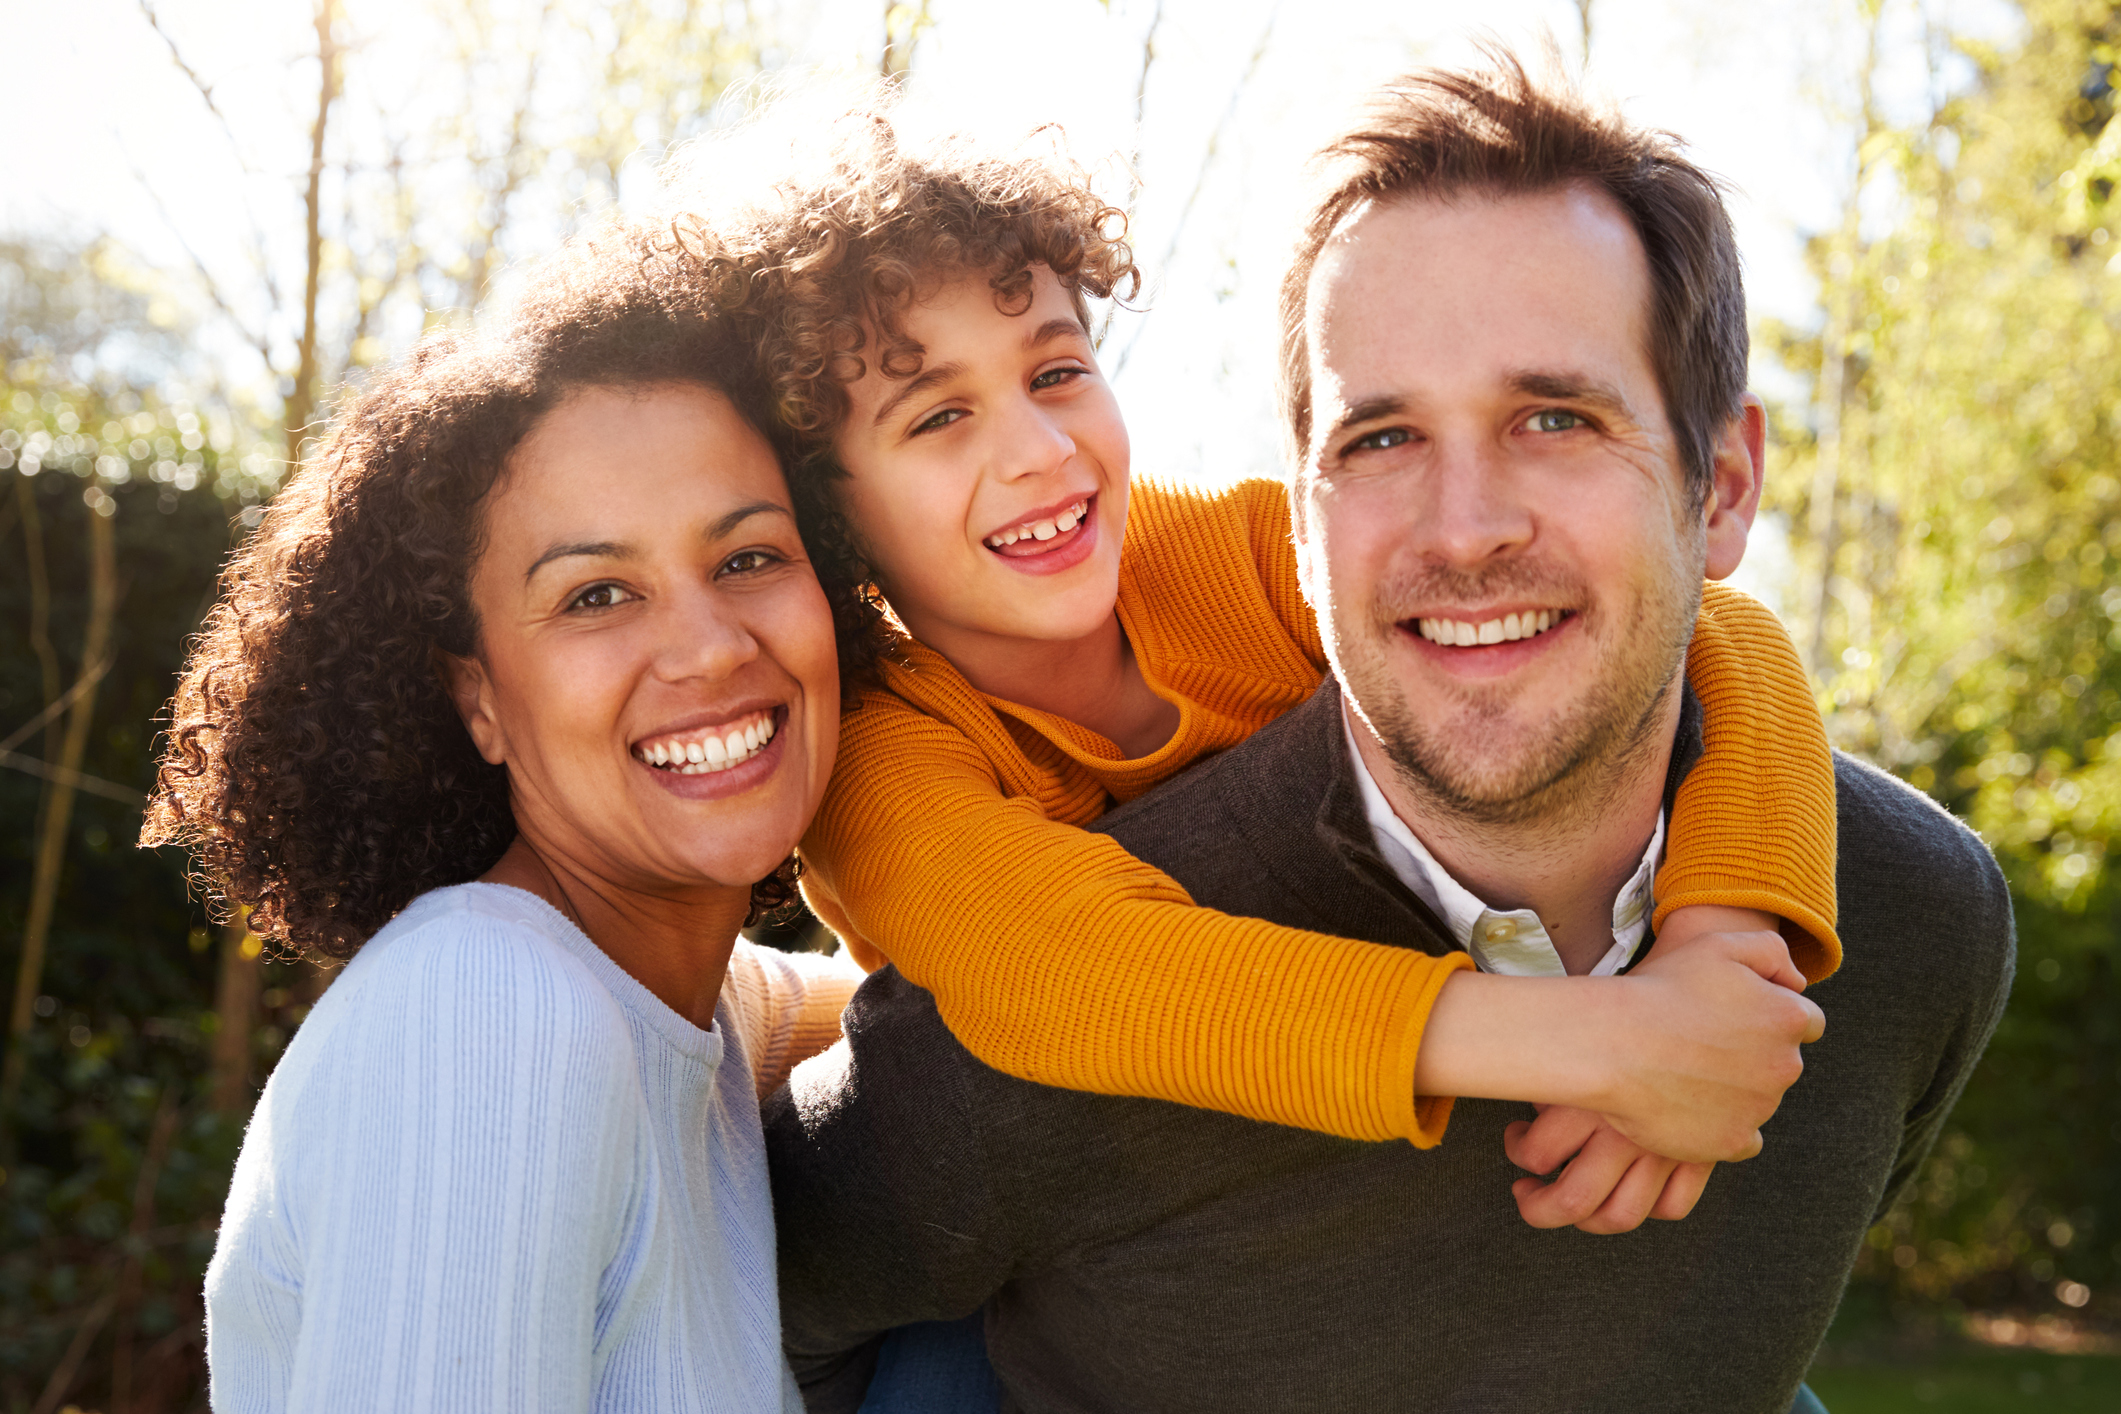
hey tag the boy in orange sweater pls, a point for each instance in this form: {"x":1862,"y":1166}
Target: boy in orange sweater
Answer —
{"x":1073,"y":638}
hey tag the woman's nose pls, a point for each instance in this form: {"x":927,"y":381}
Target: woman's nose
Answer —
{"x":702,"y":637}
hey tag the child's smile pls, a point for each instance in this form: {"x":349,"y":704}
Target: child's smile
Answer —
{"x":1048,"y":541}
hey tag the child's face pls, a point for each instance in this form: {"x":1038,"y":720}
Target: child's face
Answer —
{"x":989,"y":489}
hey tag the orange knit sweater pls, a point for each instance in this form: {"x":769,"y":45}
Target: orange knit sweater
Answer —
{"x":950,"y":842}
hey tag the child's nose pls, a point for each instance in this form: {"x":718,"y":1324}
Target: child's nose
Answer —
{"x":1033,"y":443}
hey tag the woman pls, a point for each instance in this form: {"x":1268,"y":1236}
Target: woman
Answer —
{"x":528,"y":676}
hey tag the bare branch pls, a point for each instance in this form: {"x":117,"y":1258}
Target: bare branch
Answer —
{"x":301,"y":399}
{"x":257,"y":338}
{"x":205,"y":89}
{"x":1207,"y":164}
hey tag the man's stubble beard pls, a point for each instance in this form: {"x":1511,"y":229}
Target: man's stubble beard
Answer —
{"x":1562,"y":767}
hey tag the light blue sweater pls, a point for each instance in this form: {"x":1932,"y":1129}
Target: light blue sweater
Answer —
{"x":493,"y":1172}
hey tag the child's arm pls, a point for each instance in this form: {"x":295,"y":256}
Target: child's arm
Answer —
{"x":1753,"y":827}
{"x":1056,"y":956}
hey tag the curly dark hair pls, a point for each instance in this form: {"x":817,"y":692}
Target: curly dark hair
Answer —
{"x":315,"y":764}
{"x":822,"y":261}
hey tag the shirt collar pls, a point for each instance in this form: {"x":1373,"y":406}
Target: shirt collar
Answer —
{"x":1513,"y":942}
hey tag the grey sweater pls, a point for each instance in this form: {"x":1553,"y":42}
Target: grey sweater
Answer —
{"x":1136,"y":1255}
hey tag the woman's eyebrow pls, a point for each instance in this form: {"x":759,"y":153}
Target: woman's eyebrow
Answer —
{"x":745,"y":512}
{"x":599,"y":549}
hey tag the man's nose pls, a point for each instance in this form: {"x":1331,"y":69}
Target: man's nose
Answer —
{"x":1473,"y":509}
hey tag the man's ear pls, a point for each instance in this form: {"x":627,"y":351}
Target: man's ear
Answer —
{"x":1734,"y":487}
{"x":472,"y":691}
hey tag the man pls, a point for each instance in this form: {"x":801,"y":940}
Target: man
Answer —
{"x":1515,"y":387}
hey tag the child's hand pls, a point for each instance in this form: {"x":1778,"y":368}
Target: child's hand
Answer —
{"x":1683,"y":925}
{"x":1610,"y":1183}
{"x":1710,"y":1047}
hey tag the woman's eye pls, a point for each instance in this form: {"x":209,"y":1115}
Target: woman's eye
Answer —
{"x":1379,"y":441}
{"x":749,"y":562}
{"x":600,"y":596}
{"x":1054,"y":377}
{"x":941,"y":419}
{"x":1555,"y":420}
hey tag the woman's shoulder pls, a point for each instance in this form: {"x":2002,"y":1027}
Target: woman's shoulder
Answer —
{"x":463,"y":969}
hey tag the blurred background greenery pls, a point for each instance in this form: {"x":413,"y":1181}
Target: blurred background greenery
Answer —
{"x":1942,"y":527}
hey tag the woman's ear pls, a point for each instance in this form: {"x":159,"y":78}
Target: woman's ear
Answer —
{"x":472,"y":692}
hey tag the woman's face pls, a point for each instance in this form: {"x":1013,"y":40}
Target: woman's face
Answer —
{"x":655,"y":662}
{"x":989,"y":488}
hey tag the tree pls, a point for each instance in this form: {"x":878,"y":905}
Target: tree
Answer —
{"x":1963,"y":517}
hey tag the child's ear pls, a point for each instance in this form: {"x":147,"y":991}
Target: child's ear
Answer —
{"x":472,"y":692}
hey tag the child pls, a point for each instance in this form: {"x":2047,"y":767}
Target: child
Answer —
{"x":979,"y":469}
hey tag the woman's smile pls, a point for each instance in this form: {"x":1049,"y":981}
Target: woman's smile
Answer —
{"x":725,"y":757}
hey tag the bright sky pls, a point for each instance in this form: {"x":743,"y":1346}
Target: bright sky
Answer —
{"x":101,"y":120}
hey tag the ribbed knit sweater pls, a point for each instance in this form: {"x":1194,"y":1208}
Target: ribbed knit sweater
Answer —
{"x":494,"y":1172}
{"x":950,"y":843}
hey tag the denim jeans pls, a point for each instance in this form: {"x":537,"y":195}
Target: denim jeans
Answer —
{"x":940,"y":1367}
{"x":936,"y":1367}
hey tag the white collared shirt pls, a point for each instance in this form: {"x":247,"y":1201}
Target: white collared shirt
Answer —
{"x":1512,"y":943}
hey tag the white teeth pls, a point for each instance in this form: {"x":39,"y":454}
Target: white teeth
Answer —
{"x":1061,"y":524}
{"x":1507,"y":629}
{"x":710,"y":752}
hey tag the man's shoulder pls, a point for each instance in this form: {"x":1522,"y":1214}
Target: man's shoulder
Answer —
{"x":1230,"y":819}
{"x":1894,"y":837}
{"x":1916,"y":884}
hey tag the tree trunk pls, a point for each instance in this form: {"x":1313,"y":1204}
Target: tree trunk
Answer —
{"x":59,"y":800}
{"x":236,"y":1007}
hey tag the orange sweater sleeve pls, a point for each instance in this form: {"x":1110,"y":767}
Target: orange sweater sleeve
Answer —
{"x":1056,"y":956}
{"x":1754,"y":824}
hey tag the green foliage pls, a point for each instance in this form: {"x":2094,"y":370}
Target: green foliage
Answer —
{"x":125,"y":1014}
{"x":1972,"y":623}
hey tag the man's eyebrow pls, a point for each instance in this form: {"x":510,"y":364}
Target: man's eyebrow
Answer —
{"x":926,"y":379}
{"x":1571,"y":388}
{"x":1367,"y":410}
{"x":599,"y":549}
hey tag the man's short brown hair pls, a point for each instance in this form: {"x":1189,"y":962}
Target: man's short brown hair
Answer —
{"x":1439,"y":133}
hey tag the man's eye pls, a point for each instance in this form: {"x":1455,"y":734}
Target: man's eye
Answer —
{"x":1555,"y":420}
{"x":941,"y":419}
{"x":1054,"y":377}
{"x":600,"y":596}
{"x":1379,"y":441}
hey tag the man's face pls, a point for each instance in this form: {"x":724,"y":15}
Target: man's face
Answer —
{"x":1492,"y":517}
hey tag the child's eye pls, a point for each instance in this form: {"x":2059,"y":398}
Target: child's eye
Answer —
{"x":1055,"y":377}
{"x":941,"y":419}
{"x":1555,"y":420}
{"x":748,"y":562}
{"x":600,"y":596}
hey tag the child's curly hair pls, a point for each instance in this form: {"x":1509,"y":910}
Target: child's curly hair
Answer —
{"x":315,"y":765}
{"x":819,"y":255}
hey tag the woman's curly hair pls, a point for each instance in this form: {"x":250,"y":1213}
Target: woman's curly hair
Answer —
{"x":821,"y":256}
{"x":315,"y":765}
